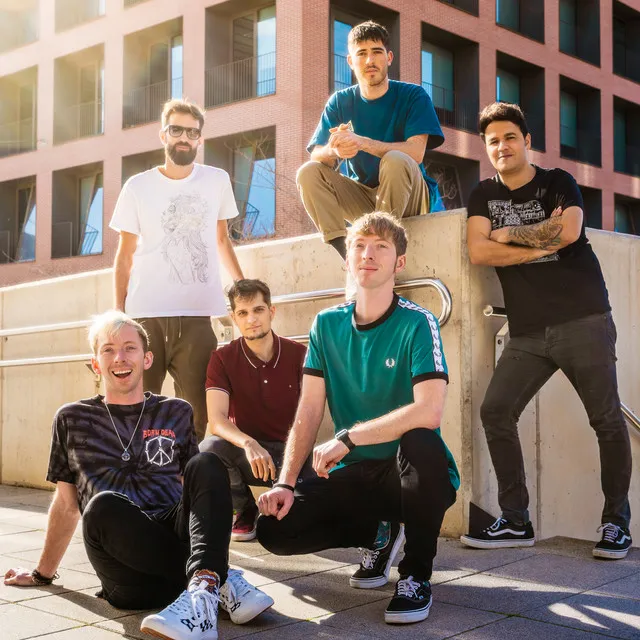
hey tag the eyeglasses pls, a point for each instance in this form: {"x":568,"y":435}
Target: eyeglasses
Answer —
{"x":175,"y":131}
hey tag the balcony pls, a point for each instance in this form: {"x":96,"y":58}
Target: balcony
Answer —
{"x":628,"y":160}
{"x":626,"y":41}
{"x":18,"y":27}
{"x":144,"y":104}
{"x":525,"y":17}
{"x":71,"y":13}
{"x":241,"y":80}
{"x":17,"y":137}
{"x":452,"y":112}
{"x":81,"y":121}
{"x":580,"y":145}
{"x":342,"y":74}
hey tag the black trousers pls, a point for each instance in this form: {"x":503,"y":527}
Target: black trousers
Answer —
{"x":240,"y":475}
{"x":344,"y":510}
{"x":585,"y":351}
{"x":145,"y":561}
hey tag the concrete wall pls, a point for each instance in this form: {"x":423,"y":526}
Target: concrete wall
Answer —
{"x":560,"y":450}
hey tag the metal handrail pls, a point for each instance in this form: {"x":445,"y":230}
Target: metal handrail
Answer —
{"x":290,"y":298}
{"x":632,"y":418}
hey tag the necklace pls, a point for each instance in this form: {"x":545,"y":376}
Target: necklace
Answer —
{"x":126,"y":456}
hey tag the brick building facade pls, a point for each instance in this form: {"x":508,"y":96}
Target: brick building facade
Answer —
{"x":82,"y":82}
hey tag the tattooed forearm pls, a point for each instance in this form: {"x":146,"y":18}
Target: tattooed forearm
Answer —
{"x":543,"y":235}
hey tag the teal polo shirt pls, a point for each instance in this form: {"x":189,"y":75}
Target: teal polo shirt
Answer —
{"x":370,"y":370}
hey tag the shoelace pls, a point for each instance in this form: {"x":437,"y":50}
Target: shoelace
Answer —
{"x":610,"y":531}
{"x":497,"y":524}
{"x":204,"y":604}
{"x":237,"y":585}
{"x":369,"y":558}
{"x":407,"y":587}
{"x":183,"y":605}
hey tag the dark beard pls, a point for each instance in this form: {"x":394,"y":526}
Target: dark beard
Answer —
{"x":181,"y":158}
{"x":259,"y":336}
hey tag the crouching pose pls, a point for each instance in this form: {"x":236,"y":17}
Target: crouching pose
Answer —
{"x":156,"y":514}
{"x":379,"y":363}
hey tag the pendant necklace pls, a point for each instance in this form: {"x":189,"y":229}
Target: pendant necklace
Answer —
{"x":126,"y":456}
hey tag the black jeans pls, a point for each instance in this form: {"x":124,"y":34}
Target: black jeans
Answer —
{"x":145,"y":561}
{"x":240,"y":475}
{"x":344,"y":511}
{"x":585,"y":351}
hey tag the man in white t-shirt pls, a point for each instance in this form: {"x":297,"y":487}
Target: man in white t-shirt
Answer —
{"x":172,"y":222}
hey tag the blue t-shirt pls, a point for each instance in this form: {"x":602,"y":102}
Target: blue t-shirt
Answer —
{"x":405,"y":110}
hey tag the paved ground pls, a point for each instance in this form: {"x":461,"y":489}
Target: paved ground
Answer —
{"x":555,"y":590}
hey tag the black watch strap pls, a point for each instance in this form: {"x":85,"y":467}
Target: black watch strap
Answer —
{"x":284,"y":486}
{"x":343,"y":436}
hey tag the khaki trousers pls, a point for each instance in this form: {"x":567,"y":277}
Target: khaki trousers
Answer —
{"x":330,"y":198}
{"x":181,"y":346}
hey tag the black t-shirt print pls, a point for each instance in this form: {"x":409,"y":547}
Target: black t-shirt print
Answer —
{"x":564,"y":286}
{"x":86,"y":451}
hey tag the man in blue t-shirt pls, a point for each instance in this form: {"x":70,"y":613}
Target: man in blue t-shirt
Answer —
{"x":368,"y":148}
{"x":379,"y":363}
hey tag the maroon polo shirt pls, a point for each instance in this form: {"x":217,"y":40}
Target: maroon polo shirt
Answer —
{"x":263,"y":396}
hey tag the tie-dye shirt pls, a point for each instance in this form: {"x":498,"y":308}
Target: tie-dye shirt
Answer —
{"x":86,"y":451}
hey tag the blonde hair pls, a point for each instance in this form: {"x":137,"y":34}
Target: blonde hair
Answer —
{"x":110,"y":323}
{"x":379,"y":224}
{"x":182,"y":106}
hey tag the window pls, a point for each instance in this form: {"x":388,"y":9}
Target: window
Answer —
{"x":438,"y":76}
{"x":568,"y":26}
{"x":176,"y":67}
{"x":568,"y":120}
{"x":624,"y":220}
{"x":619,"y":140}
{"x":507,"y":87}
{"x":342,"y":75}
{"x":91,"y":203}
{"x":266,"y":51}
{"x":508,"y":13}
{"x":26,"y":246}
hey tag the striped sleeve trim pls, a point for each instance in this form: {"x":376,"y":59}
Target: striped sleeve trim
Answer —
{"x":318,"y":373}
{"x":433,"y":375}
{"x":217,"y":389}
{"x":438,"y":361}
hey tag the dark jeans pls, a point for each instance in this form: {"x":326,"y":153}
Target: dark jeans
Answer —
{"x":585,"y":351}
{"x":344,"y":511}
{"x":240,"y":475}
{"x":145,"y":561}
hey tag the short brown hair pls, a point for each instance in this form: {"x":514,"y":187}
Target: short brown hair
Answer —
{"x":110,"y":323}
{"x":369,"y":30}
{"x":182,"y":106}
{"x":502,"y":112}
{"x":247,"y":289}
{"x":379,"y":224}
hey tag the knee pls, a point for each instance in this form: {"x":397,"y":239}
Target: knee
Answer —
{"x":396,"y":160}
{"x":309,"y":172}
{"x":103,"y":508}
{"x":271,"y":536}
{"x":214,"y":444}
{"x":209,"y":468}
{"x":497,"y":415}
{"x":421,"y":445}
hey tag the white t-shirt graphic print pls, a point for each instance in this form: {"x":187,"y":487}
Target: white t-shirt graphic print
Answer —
{"x":175,"y":268}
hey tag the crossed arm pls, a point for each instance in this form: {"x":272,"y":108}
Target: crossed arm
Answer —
{"x":424,"y":412}
{"x":61,"y":524}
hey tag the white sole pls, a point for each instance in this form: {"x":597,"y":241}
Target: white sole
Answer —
{"x":159,"y":634}
{"x":243,"y":537}
{"x":610,"y":555}
{"x":496,"y":544}
{"x":380,"y":581}
{"x":268,"y":603}
{"x":392,"y":617}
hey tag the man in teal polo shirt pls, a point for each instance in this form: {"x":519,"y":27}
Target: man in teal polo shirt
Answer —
{"x":379,"y":363}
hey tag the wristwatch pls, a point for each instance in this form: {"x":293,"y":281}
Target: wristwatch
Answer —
{"x":343,"y":436}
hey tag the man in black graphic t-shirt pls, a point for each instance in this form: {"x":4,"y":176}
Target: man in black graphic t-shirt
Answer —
{"x":156,"y":513}
{"x":528,"y":223}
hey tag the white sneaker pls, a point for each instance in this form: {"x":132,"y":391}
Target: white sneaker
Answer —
{"x":192,"y":616}
{"x":241,"y":600}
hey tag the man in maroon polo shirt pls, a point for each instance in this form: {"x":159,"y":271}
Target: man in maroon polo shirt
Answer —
{"x":253,"y":387}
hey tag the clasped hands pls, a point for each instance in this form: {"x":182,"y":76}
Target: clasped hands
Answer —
{"x":278,"y":501}
{"x":344,"y":142}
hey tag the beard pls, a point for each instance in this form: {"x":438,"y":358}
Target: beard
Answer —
{"x":181,"y":157}
{"x":258,"y":336}
{"x":378,"y":79}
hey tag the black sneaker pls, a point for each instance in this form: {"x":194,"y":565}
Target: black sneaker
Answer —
{"x":615,"y":542}
{"x":501,"y":534}
{"x":375,"y":565}
{"x":410,"y":603}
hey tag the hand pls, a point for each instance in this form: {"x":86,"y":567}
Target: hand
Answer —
{"x":556,"y":212}
{"x":260,"y":460}
{"x":276,"y":502}
{"x":344,"y":142}
{"x":501,"y":235}
{"x":19,"y":577}
{"x":327,"y":455}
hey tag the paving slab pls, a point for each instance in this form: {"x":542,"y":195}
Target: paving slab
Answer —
{"x":8,"y":528}
{"x":17,"y":622}
{"x":86,"y":633}
{"x":452,"y":553}
{"x":26,"y":541}
{"x":628,"y":587}
{"x":444,"y":621}
{"x":522,"y":629}
{"x":75,"y":555}
{"x":308,"y":631}
{"x":70,"y":580}
{"x":500,"y":595}
{"x":596,"y":612}
{"x":565,"y":571}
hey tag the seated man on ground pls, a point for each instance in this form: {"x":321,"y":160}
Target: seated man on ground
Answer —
{"x":379,"y":363}
{"x":156,"y":514}
{"x":376,"y":133}
{"x":253,"y":388}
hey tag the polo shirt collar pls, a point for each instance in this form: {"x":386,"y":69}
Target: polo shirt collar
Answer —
{"x":253,"y":359}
